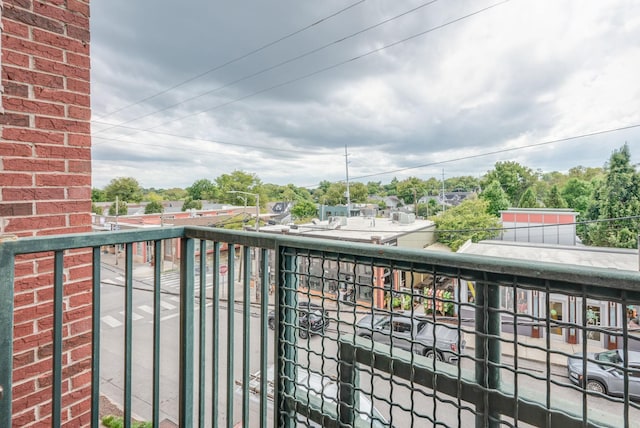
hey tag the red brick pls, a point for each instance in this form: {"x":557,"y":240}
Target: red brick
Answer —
{"x":15,"y":179}
{"x":30,"y":194}
{"x":78,"y":33}
{"x":35,"y":223}
{"x":23,"y":389}
{"x":30,"y":400}
{"x":82,"y":352}
{"x":13,"y":209}
{"x":33,"y":136}
{"x":24,"y":358}
{"x":23,"y":299}
{"x":80,"y":193}
{"x":32,"y":19}
{"x":24,"y":268}
{"x":79,"y":113}
{"x":54,"y":67}
{"x":51,"y":232}
{"x":23,"y":419}
{"x":82,"y":140}
{"x":78,"y":86}
{"x":15,"y":58}
{"x":21,"y":330}
{"x":62,"y":152}
{"x":77,"y":60}
{"x":57,"y":13}
{"x":79,"y":167}
{"x":79,"y":219}
{"x":34,"y":165}
{"x":62,"y":96}
{"x":33,"y":77}
{"x":15,"y":149}
{"x":59,"y":41}
{"x":25,"y":4}
{"x":31,"y":48}
{"x":38,"y":107}
{"x":13,"y":119}
{"x":81,"y":326}
{"x":79,"y":7}
{"x":15,"y":89}
{"x":75,"y":314}
{"x":24,"y":314}
{"x":63,"y":125}
{"x":64,"y":180}
{"x":16,"y":28}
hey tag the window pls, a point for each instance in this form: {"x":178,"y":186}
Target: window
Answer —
{"x":401,"y":327}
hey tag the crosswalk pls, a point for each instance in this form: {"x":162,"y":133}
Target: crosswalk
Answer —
{"x":169,"y":301}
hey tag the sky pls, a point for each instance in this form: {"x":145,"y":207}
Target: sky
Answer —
{"x":305,"y":91}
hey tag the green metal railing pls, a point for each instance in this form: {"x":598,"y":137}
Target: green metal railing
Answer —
{"x":441,"y":359}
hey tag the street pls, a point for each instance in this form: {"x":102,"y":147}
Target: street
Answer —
{"x":417,"y":406}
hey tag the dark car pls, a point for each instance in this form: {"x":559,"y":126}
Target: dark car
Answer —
{"x":312,"y":319}
{"x":420,"y":335}
{"x":605,"y":372}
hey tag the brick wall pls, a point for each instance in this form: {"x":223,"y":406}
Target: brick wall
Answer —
{"x":45,"y":188}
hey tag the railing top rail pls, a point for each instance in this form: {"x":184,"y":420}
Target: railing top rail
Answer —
{"x":466,"y":266}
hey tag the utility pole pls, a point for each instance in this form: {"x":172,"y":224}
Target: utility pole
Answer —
{"x":415,"y":203}
{"x":443,"y":198}
{"x":346,"y":164}
{"x":117,"y":227}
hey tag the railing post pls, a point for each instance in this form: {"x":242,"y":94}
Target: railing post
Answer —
{"x":488,"y":328}
{"x":285,"y":346}
{"x":6,"y":324}
{"x":187,"y":280}
{"x":347,"y":374}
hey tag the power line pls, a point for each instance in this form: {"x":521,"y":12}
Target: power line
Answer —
{"x":511,"y":149}
{"x":232,"y":61}
{"x":267,"y":69}
{"x":336,"y":65}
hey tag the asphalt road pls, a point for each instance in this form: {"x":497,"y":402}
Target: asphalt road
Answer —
{"x":394,"y":399}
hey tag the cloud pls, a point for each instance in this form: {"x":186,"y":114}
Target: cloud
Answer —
{"x":422,"y":89}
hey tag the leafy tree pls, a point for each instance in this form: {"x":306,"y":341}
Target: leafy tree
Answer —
{"x":127,"y":189}
{"x":469,"y":220}
{"x":555,"y":199}
{"x":497,"y":199}
{"x":304,"y":209}
{"x":584,"y":173}
{"x":529,"y":199}
{"x":577,"y":193}
{"x":431,"y":208}
{"x":98,"y":195}
{"x":375,"y":188}
{"x":391,"y":188}
{"x":336,"y":194}
{"x":202,"y":189}
{"x":514,"y":179}
{"x":191,"y":204}
{"x":96,"y":209}
{"x":174,"y":194}
{"x":153,"y":207}
{"x":465,"y":183}
{"x":358,"y":192}
{"x":412,"y":186}
{"x":122,"y":208}
{"x":617,"y":196}
{"x":153,"y":197}
{"x":240,"y":181}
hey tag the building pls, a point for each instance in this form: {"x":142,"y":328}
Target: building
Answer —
{"x":362,"y":285}
{"x":562,"y":308}
{"x":46,"y":189}
{"x":539,"y":225}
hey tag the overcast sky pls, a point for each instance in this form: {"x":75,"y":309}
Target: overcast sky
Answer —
{"x":194,"y":89}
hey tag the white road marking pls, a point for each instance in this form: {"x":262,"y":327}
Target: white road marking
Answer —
{"x":166,"y":305}
{"x":111,"y":321}
{"x":134,"y":316}
{"x":145,"y":308}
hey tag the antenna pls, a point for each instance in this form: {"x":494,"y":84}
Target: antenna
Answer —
{"x":346,"y":164}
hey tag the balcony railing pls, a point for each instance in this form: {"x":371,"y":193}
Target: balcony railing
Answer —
{"x":452,"y":340}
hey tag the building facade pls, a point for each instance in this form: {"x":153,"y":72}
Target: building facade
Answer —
{"x":45,"y":183}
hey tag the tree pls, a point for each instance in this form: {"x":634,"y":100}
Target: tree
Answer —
{"x":616,"y":197}
{"x":122,"y":208}
{"x":497,"y":199}
{"x":555,"y":199}
{"x":514,"y":179}
{"x":336,"y":194}
{"x":577,"y":193}
{"x":174,"y":194}
{"x":127,"y":189}
{"x":191,"y":204}
{"x":529,"y":199}
{"x":375,"y":188}
{"x":469,"y":220}
{"x":153,"y":207}
{"x":96,"y":209}
{"x":240,"y":181}
{"x":202,"y":189}
{"x":410,"y":188}
{"x":358,"y":193}
{"x":304,"y":209}
{"x":98,"y":195}
{"x":465,"y":183}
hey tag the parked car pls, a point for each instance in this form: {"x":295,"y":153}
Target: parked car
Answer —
{"x":415,"y":334}
{"x":312,"y":318}
{"x":321,"y":391}
{"x":605,"y":372}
